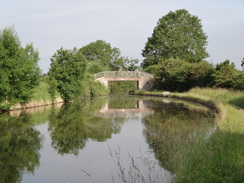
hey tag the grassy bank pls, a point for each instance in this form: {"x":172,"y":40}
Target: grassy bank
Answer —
{"x":40,"y":97}
{"x":221,"y":157}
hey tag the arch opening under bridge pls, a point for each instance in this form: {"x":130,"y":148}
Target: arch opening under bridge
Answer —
{"x":144,"y":80}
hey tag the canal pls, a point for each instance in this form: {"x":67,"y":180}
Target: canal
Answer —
{"x":106,"y":139}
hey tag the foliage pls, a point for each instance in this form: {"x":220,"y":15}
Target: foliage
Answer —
{"x":177,"y":35}
{"x":93,"y":88}
{"x":95,"y":67}
{"x":52,"y":89}
{"x":103,"y":55}
{"x":119,"y":87}
{"x":178,"y":75}
{"x":130,"y":64}
{"x":239,"y":80}
{"x":242,"y":63}
{"x":68,"y":69}
{"x":200,"y":74}
{"x":19,"y":71}
{"x":224,"y":76}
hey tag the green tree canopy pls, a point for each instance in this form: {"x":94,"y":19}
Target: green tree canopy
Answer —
{"x":101,"y":55}
{"x":178,"y":75}
{"x":68,"y":70}
{"x":177,"y":35}
{"x":130,"y":64}
{"x":19,"y":70}
{"x":225,"y":75}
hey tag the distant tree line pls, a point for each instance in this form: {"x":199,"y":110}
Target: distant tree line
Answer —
{"x":175,"y":54}
{"x":70,"y":72}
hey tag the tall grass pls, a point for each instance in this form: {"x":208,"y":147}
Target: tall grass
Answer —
{"x":41,"y":92}
{"x":226,"y":96}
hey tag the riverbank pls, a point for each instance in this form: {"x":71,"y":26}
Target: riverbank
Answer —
{"x":40,"y":97}
{"x":220,"y":159}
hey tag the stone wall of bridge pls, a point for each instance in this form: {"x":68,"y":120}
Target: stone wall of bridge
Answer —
{"x":144,"y":80}
{"x":142,"y":83}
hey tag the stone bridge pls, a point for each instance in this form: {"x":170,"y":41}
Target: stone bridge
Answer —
{"x":144,"y":80}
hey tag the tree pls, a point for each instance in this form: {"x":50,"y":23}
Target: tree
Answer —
{"x":177,"y":35}
{"x":105,"y":57}
{"x":178,"y":75}
{"x":68,"y":70}
{"x":172,"y":75}
{"x":131,"y":64}
{"x":19,"y":70}
{"x":225,"y":74}
{"x":242,"y":63}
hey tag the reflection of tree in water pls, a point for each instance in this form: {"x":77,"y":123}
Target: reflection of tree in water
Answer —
{"x":122,"y":101}
{"x":172,"y":132}
{"x":19,"y":147}
{"x":76,"y":123}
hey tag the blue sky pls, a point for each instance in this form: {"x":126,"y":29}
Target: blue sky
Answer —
{"x":125,"y":24}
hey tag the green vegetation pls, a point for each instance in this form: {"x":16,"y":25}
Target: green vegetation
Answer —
{"x":101,"y":56}
{"x":71,"y":70}
{"x":175,"y":54}
{"x":122,"y":87}
{"x":68,"y":69}
{"x":19,"y":71}
{"x":178,"y":75}
{"x":178,"y":35}
{"x":224,"y":95}
{"x":219,"y":158}
{"x":41,"y":92}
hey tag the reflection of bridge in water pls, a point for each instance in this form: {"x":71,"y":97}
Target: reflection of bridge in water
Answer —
{"x":141,"y":107}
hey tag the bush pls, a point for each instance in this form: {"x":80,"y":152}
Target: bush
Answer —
{"x":178,"y":75}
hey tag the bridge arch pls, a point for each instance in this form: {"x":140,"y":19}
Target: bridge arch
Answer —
{"x":144,"y":80}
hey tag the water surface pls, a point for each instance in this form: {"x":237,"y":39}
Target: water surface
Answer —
{"x":107,"y":139}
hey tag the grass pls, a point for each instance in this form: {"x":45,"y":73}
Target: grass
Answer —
{"x":41,"y":92}
{"x":226,"y":96}
{"x":221,"y":158}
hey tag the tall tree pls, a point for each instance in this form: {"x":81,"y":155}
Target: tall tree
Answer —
{"x":19,"y":70}
{"x":101,"y":55}
{"x":68,"y":70}
{"x":177,"y":35}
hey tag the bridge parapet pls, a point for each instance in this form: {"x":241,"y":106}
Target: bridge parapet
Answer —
{"x":122,"y":74}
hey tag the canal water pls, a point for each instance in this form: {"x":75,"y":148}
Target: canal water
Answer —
{"x":106,"y":139}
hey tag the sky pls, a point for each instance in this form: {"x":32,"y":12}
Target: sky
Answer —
{"x":125,"y":24}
